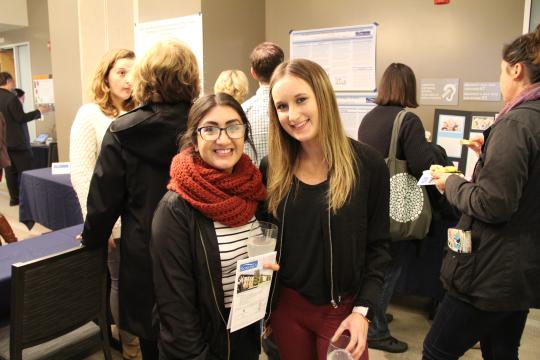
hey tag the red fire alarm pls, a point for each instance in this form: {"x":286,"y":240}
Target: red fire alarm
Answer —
{"x":441,"y":2}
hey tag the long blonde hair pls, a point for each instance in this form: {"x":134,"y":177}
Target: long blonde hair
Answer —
{"x":283,"y":149}
{"x":99,"y":89}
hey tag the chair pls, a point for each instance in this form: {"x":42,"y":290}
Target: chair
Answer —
{"x":54,"y":300}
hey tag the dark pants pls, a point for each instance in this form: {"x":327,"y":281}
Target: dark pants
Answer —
{"x":459,"y":325}
{"x":301,"y":330}
{"x":21,"y":160}
{"x":378,"y":329}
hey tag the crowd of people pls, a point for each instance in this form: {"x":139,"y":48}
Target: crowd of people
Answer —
{"x":171,"y":182}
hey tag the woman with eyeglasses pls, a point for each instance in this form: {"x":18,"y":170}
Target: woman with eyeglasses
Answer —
{"x":199,"y":232}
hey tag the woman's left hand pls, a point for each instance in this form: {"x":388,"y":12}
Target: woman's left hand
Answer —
{"x":357,"y":325}
{"x":271,"y":266}
{"x":439,"y":178}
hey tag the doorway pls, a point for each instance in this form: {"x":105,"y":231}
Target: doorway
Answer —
{"x":15,"y":59}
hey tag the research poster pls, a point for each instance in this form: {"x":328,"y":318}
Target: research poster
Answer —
{"x":346,"y":53}
{"x":353,"y":106}
{"x":451,"y":129}
{"x":187,"y":29}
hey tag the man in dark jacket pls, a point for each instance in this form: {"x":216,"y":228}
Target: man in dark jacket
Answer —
{"x":19,"y":150}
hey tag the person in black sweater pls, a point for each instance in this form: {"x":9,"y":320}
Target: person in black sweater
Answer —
{"x":397,"y":90}
{"x":329,"y":196}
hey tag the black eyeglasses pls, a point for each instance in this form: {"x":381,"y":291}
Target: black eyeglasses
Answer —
{"x":212,"y":133}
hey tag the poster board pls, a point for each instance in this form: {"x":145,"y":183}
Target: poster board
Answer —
{"x":43,"y":91}
{"x":346,"y":53}
{"x":450,"y":126}
{"x":187,"y":29}
{"x":353,"y":106}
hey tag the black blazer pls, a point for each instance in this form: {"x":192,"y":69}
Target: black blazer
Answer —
{"x":16,"y":120}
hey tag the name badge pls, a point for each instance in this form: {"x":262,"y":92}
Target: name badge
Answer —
{"x":60,"y":168}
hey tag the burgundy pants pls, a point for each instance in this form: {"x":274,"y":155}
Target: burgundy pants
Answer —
{"x":301,"y":330}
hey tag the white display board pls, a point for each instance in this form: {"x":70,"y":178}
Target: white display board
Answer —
{"x":353,"y":106}
{"x":346,"y":53}
{"x":187,"y":29}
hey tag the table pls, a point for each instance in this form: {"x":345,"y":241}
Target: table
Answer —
{"x":48,"y":199}
{"x":30,"y":249}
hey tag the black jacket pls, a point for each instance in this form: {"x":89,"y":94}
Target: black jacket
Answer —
{"x":502,"y":209}
{"x":376,"y":130}
{"x":187,"y":278}
{"x":16,"y":120}
{"x":131,"y":175}
{"x":356,"y":237}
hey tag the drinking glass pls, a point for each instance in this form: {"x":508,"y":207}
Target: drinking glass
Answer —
{"x":262,"y":238}
{"x":336,"y":349}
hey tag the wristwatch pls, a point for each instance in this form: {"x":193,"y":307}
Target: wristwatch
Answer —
{"x":362,"y":310}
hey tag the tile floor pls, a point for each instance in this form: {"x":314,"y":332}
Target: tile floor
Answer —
{"x":410,"y":313}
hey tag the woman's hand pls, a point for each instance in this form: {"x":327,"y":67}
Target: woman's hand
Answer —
{"x":357,"y":325}
{"x":439,"y":178}
{"x":476,"y":142}
{"x":111,"y":244}
{"x":271,"y":266}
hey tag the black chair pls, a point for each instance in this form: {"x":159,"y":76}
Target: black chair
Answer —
{"x":54,"y":301}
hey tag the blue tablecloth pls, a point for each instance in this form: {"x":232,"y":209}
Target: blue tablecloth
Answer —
{"x":30,"y":249}
{"x":48,"y":199}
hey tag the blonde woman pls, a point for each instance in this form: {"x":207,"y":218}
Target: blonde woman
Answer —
{"x":330,"y":197}
{"x":131,"y":176}
{"x":110,"y":93}
{"x":234,"y":83}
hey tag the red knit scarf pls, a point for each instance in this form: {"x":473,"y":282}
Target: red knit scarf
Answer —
{"x":230,"y":199}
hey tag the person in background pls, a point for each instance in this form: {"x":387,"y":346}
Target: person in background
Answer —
{"x":491,"y":288}
{"x":264,"y":59}
{"x":5,"y":229}
{"x":110,"y":94}
{"x":330,"y":198}
{"x":397,"y":90}
{"x":131,"y":175}
{"x":200,"y":228}
{"x":234,"y":83}
{"x":18,"y":141}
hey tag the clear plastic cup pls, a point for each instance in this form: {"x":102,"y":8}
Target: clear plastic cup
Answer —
{"x":262,"y":238}
{"x":336,"y":349}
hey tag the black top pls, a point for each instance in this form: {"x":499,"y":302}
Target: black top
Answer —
{"x":303,"y":239}
{"x":355,"y":238}
{"x":376,"y":130}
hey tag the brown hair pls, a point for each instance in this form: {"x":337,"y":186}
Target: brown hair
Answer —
{"x":397,"y":87}
{"x":234,"y":83}
{"x":5,"y":77}
{"x":202,"y":107}
{"x":525,"y":50}
{"x":167,"y":73}
{"x":283,"y":149}
{"x":264,"y":59}
{"x":99,"y":89}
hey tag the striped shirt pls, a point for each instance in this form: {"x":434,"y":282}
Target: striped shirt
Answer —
{"x":256,"y":109}
{"x":232,"y":247}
